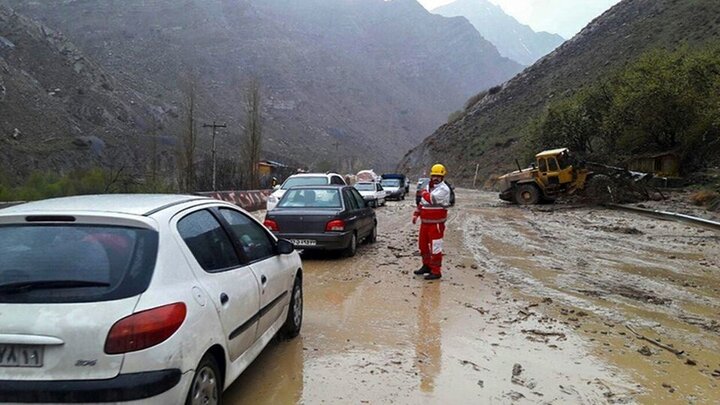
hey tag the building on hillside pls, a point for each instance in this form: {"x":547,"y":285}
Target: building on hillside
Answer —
{"x":665,"y":164}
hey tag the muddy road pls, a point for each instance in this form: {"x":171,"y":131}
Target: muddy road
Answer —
{"x":546,"y":305}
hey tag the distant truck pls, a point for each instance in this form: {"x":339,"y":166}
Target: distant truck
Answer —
{"x":403,"y":179}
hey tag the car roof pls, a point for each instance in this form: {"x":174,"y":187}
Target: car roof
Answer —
{"x":315,"y":175}
{"x":133,"y":204}
{"x":320,"y":186}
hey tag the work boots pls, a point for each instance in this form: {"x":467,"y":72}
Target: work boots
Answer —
{"x":422,"y":270}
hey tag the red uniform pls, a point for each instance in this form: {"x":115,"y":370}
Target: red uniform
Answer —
{"x":432,"y":212}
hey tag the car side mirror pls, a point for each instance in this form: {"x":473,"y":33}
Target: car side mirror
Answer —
{"x":285,"y":247}
{"x":276,"y":188}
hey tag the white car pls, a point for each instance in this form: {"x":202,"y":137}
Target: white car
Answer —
{"x":304,"y":179}
{"x":372,"y":192}
{"x":154,"y":299}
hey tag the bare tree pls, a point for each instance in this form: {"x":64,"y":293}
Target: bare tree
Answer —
{"x":188,"y":140}
{"x":253,"y":134}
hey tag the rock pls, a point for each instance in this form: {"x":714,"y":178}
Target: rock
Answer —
{"x":481,"y":383}
{"x":16,"y":133}
{"x":645,"y":351}
{"x":517,"y":370}
{"x":690,"y":362}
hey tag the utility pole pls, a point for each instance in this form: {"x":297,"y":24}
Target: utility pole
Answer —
{"x":214,"y":126}
{"x":337,"y":155}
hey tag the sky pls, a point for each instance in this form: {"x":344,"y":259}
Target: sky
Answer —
{"x":564,"y":17}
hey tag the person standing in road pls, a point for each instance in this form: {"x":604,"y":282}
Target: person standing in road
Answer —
{"x":432,"y":211}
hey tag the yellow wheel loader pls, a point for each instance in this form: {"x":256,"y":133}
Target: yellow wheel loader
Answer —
{"x":557,"y":173}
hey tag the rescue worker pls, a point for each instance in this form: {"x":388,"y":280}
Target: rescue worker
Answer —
{"x":432,"y":211}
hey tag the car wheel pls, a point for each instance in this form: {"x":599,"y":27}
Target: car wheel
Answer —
{"x":206,"y":386}
{"x":293,"y":323}
{"x":372,"y":238}
{"x":352,"y":247}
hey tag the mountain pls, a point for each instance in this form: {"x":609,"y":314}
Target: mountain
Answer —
{"x":342,"y":80}
{"x":514,"y":40}
{"x":490,"y":130}
{"x":59,"y":109}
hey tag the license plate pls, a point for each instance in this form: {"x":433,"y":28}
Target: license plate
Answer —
{"x":21,"y":356}
{"x":303,"y":242}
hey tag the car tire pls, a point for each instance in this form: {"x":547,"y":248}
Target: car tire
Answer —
{"x":293,"y":323}
{"x":372,"y":238}
{"x":352,"y":247}
{"x":206,"y":386}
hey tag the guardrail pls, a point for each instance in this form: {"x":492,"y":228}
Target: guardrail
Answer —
{"x":668,"y":215}
{"x":249,"y":200}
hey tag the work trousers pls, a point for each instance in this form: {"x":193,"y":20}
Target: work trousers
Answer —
{"x":431,"y":246}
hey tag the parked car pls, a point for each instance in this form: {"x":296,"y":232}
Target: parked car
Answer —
{"x":304,"y":179}
{"x":159,"y":299}
{"x":394,"y":188}
{"x":421,"y":187}
{"x":372,"y":192}
{"x":323,"y":218}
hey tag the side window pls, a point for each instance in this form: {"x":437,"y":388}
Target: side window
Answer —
{"x":336,"y":180}
{"x":208,"y":242}
{"x":553,"y":165}
{"x":255,"y":242}
{"x":379,"y":187}
{"x":350,"y":202}
{"x":542,"y":164}
{"x":358,"y":198}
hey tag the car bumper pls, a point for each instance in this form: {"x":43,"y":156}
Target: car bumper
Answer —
{"x":323,"y":241}
{"x":158,"y":387}
{"x":395,"y":195}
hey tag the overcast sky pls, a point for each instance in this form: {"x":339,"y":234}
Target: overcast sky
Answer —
{"x":564,"y":17}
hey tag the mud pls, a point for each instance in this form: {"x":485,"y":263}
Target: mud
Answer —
{"x":535,"y":306}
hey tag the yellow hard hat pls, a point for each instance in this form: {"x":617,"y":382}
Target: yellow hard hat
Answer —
{"x":438,"y":170}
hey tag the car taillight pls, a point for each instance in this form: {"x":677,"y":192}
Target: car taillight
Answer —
{"x":337,"y":225}
{"x":145,"y":329}
{"x":271,"y":225}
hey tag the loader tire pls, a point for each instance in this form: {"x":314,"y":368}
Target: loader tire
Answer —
{"x":527,"y":194}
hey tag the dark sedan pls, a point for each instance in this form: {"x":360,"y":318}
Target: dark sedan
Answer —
{"x":323,"y":218}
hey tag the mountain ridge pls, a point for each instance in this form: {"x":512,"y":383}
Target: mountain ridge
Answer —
{"x":489,"y":133}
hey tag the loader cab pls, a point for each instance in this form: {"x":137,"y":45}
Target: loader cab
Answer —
{"x":555,"y":168}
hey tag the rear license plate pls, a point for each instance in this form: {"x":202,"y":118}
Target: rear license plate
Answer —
{"x":303,"y":242}
{"x":21,"y":356}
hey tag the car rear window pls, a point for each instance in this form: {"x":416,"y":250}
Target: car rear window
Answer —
{"x":74,"y":263}
{"x":307,"y":198}
{"x":365,"y":186}
{"x":305,"y":181}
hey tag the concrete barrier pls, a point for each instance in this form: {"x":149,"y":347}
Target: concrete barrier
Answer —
{"x":250,"y":200}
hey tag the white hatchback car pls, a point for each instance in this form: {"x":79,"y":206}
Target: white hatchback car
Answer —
{"x":160,"y":299}
{"x":304,"y":179}
{"x":372,"y":192}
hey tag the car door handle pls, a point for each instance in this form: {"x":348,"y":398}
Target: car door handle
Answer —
{"x":224,"y":298}
{"x":352,"y":218}
{"x":263,"y":280}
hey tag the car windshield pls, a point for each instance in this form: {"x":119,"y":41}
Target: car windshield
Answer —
{"x":365,"y":186}
{"x":390,"y":183}
{"x":305,"y":181}
{"x":74,"y":263}
{"x":311,"y":198}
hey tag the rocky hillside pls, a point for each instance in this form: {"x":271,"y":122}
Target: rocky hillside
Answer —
{"x":513,"y":39}
{"x":59,"y":109}
{"x":343,"y":80}
{"x":489,"y":132}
